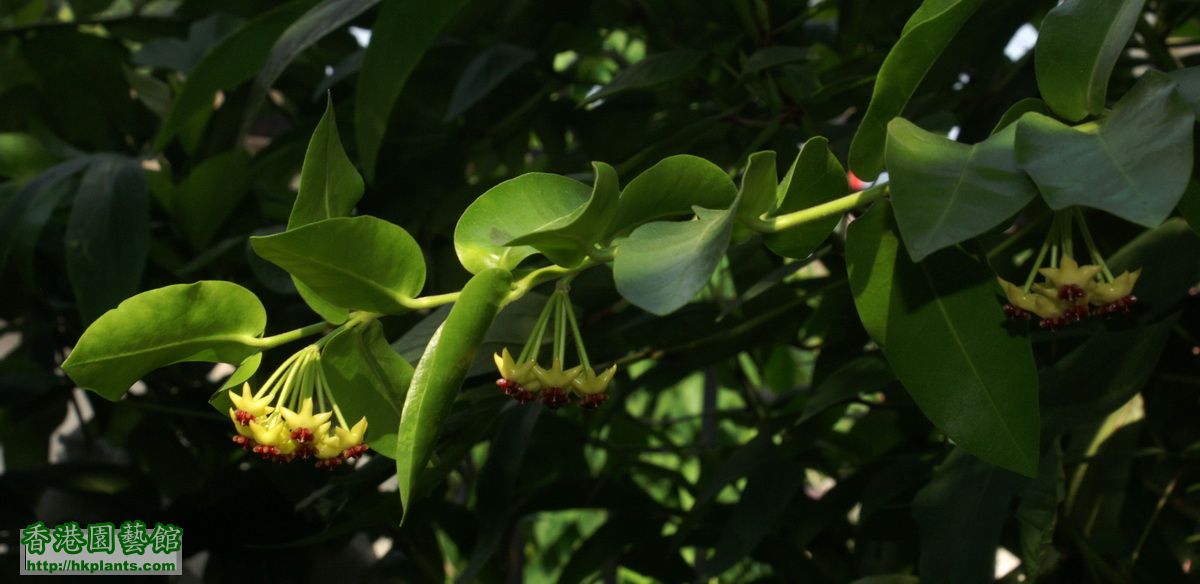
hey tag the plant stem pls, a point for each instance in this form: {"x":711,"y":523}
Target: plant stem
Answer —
{"x":1091,"y":245}
{"x":524,"y":285}
{"x":579,"y":348}
{"x":273,"y":341}
{"x":1037,"y":265}
{"x":537,"y":332}
{"x":817,"y":212}
{"x":428,"y":301}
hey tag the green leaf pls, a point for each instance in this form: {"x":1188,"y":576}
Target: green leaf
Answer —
{"x":922,"y":41}
{"x":1016,"y":110}
{"x":940,"y":325}
{"x":400,"y":36}
{"x":672,"y":187}
{"x":662,"y":265}
{"x":26,"y":211}
{"x":361,"y":263}
{"x":312,"y":26}
{"x":226,"y":65}
{"x":108,"y":235}
{"x":1188,"y":84}
{"x":945,"y":192}
{"x":774,"y":56}
{"x":759,"y":183}
{"x":219,"y":400}
{"x":484,"y":73}
{"x":205,"y":199}
{"x":815,"y":177}
{"x":1078,"y":44}
{"x":512,"y":209}
{"x":770,"y":487}
{"x":1189,"y":205}
{"x":961,"y":514}
{"x":368,"y":378}
{"x":330,"y":186}
{"x":652,"y":71}
{"x":440,"y":374}
{"x":1037,"y":515}
{"x":866,"y":374}
{"x":22,"y":156}
{"x":209,"y":321}
{"x":1134,"y":163}
{"x":568,"y":239}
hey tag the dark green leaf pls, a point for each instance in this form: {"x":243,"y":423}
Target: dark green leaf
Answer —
{"x":1037,"y":515}
{"x":484,"y":73}
{"x":400,"y":36}
{"x":226,"y":65}
{"x":652,"y":71}
{"x":205,"y":199}
{"x":322,"y":19}
{"x":1078,"y":44}
{"x":943,"y":334}
{"x":945,"y":192}
{"x":108,"y":235}
{"x":922,"y":41}
{"x":1133,"y":163}
{"x":368,"y":379}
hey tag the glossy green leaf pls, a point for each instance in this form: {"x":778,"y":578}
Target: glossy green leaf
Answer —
{"x":941,"y":328}
{"x":512,"y":209}
{"x":760,"y":180}
{"x":961,"y":514}
{"x":1189,"y":205}
{"x":246,"y":370}
{"x":945,"y":192}
{"x":672,"y":187}
{"x":226,"y":65}
{"x":568,"y":239}
{"x":330,"y":186}
{"x":361,"y":263}
{"x":654,"y":70}
{"x":1079,"y":42}
{"x":1134,"y":163}
{"x":108,"y":235}
{"x":1016,"y":110}
{"x":206,"y":321}
{"x":368,"y":378}
{"x":484,"y":73}
{"x":312,"y":26}
{"x":440,"y":374}
{"x":207,"y":196}
{"x":400,"y":36}
{"x":922,"y":41}
{"x":662,"y":265}
{"x":815,"y":177}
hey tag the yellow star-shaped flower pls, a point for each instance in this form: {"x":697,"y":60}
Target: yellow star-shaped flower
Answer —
{"x":1017,"y":296}
{"x":305,"y":418}
{"x":330,"y":447}
{"x":274,"y":435}
{"x":589,"y":383}
{"x":1120,"y":287}
{"x":243,"y":430}
{"x":353,"y":436}
{"x":508,"y":367}
{"x":250,"y":404}
{"x":555,"y":376}
{"x":1070,"y":273}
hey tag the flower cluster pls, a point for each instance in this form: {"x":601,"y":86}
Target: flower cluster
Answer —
{"x":1070,"y":292}
{"x":282,"y":422}
{"x":524,"y":380}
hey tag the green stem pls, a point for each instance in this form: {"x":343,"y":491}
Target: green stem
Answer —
{"x":1068,"y":238}
{"x":273,"y":341}
{"x":1055,"y":238}
{"x":1037,"y":265}
{"x":1091,"y":245}
{"x":541,"y":331}
{"x":538,"y":330}
{"x":425,"y":302}
{"x":275,"y":377}
{"x":579,"y":348}
{"x":525,"y":284}
{"x":817,"y":212}
{"x":560,"y":329}
{"x":324,"y":383}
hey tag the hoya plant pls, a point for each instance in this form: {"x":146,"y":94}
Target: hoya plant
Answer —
{"x":796,"y":291}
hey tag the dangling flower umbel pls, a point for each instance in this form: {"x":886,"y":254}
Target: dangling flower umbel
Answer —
{"x":294,"y":415}
{"x":1071,"y":292}
{"x":524,"y":380}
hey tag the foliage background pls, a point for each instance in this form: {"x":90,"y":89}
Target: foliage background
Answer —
{"x":751,"y":436}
